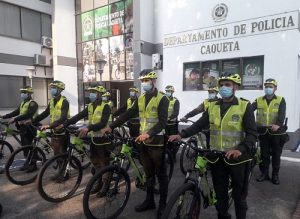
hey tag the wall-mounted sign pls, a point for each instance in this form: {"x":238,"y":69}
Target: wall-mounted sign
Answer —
{"x":262,"y":25}
{"x":219,"y":12}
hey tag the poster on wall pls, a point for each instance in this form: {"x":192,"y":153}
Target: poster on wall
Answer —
{"x":102,"y":60}
{"x":116,"y":18}
{"x":231,"y":66}
{"x":101,"y":22}
{"x":129,"y":16}
{"x":88,"y":57}
{"x":87,"y":24}
{"x":128,"y":41}
{"x":117,"y":58}
{"x":210,"y":74}
{"x":253,"y":73}
{"x":192,"y":79}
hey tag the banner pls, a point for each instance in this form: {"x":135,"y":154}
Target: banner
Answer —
{"x":87,"y":24}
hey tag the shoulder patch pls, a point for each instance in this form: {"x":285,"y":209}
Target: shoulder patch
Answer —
{"x":244,"y":99}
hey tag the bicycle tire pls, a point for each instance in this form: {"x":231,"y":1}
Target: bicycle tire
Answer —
{"x":48,"y":166}
{"x":186,"y":156}
{"x":12,"y":173}
{"x":5,"y":151}
{"x":170,"y":162}
{"x":120,"y":174}
{"x":194,"y":208}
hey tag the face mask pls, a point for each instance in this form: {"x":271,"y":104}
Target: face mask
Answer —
{"x":93,"y":97}
{"x":269,"y":91}
{"x":132,"y":94}
{"x":53,"y":92}
{"x":147,"y":86}
{"x":24,"y":96}
{"x":104,"y":98}
{"x":168,"y":94}
{"x":211,"y":96}
{"x":226,"y":92}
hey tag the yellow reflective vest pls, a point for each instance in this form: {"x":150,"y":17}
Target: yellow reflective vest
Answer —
{"x":171,"y":110}
{"x":149,"y":115}
{"x":267,"y":115}
{"x":24,"y":107}
{"x":227,"y":132}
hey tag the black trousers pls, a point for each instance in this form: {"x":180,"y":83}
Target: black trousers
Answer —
{"x":172,"y":129}
{"x":153,"y":160}
{"x":27,"y":134}
{"x":239,"y":181}
{"x":270,"y":145}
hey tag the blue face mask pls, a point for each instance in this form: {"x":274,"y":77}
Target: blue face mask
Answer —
{"x":211,"y":96}
{"x":24,"y":96}
{"x":104,"y":98}
{"x":93,"y":97}
{"x":132,"y":94}
{"x":147,"y":86}
{"x":226,"y":92}
{"x":168,"y":94}
{"x":53,"y":92}
{"x":269,"y":91}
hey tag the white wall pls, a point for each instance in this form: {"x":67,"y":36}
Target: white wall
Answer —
{"x":64,"y":44}
{"x":280,"y":49}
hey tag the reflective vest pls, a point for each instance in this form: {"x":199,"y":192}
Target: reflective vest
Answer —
{"x":226,"y":132}
{"x":206,"y":103}
{"x":55,"y":111}
{"x":95,"y":116}
{"x":148,"y":114}
{"x":171,"y":109}
{"x":24,"y":108}
{"x":267,"y":115}
{"x":130,"y":104}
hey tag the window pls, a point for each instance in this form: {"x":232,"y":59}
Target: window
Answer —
{"x":87,"y":24}
{"x":46,"y":25}
{"x":86,"y":5}
{"x":10,"y":85}
{"x":88,"y":56}
{"x":203,"y":75}
{"x":10,"y":20}
{"x":100,"y":3}
{"x":31,"y":25}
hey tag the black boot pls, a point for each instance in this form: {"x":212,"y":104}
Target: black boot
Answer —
{"x":161,"y":207}
{"x":275,"y":179}
{"x":264,"y":175}
{"x":148,"y":204}
{"x":163,"y":192}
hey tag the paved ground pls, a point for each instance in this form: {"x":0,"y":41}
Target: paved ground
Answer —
{"x":265,"y":199}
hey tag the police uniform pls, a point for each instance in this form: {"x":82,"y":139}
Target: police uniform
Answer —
{"x":232,"y":126}
{"x":269,"y":112}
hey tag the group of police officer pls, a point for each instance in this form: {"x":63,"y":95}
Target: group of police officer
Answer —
{"x":229,"y":122}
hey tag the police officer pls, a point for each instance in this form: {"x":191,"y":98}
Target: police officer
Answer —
{"x":172,"y":124}
{"x":233,"y":130}
{"x":134,"y":123}
{"x":25,"y":111}
{"x":98,"y":113}
{"x":152,"y":109}
{"x":106,"y":99}
{"x":270,"y":115}
{"x":59,"y":112}
{"x":212,"y":96}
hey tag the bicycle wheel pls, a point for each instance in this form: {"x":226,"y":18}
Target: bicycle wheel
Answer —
{"x":187,"y":157}
{"x":23,"y":164}
{"x":115,"y":195}
{"x":185,"y":203}
{"x":59,"y":184}
{"x":5,"y":151}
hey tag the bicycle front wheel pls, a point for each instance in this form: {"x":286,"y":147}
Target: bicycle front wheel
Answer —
{"x":187,"y":158}
{"x":184,"y":203}
{"x":23,"y":164}
{"x":112,"y":193}
{"x":59,"y":178}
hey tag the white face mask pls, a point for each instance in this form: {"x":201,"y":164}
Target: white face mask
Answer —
{"x":147,"y":86}
{"x":168,"y":94}
{"x":212,"y":96}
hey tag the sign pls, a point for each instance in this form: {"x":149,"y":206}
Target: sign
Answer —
{"x":87,"y":23}
{"x":253,"y":73}
{"x":219,"y":12}
{"x":262,"y":25}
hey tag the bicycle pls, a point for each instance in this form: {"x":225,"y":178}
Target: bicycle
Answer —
{"x":6,"y":148}
{"x":179,"y":206}
{"x":34,"y":154}
{"x":187,"y":153}
{"x":118,"y":182}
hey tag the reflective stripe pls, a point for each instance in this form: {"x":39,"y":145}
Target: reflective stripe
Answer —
{"x":227,"y":133}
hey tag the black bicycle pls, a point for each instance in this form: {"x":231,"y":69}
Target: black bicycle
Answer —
{"x":60,"y":177}
{"x":116,"y":184}
{"x":35,"y":155}
{"x":185,"y":202}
